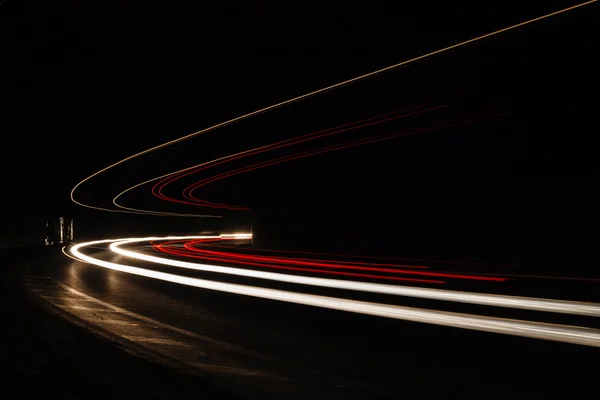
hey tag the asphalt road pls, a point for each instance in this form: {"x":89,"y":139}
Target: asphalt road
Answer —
{"x":267,"y":349}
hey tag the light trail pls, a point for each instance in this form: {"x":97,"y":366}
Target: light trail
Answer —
{"x":198,"y":202}
{"x":527,"y":303}
{"x":559,"y":278}
{"x":312,"y":253}
{"x":160,"y":186}
{"x":192,"y":244}
{"x":320,"y":271}
{"x":188,"y":192}
{"x":561,"y":333}
{"x":203,"y":203}
{"x":191,"y":200}
{"x":213,"y":243}
{"x":260,"y":261}
{"x":299,"y":269}
{"x":305,"y":96}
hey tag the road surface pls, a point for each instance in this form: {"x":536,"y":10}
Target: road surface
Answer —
{"x":262,"y":348}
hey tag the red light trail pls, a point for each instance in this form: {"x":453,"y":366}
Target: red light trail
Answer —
{"x":160,"y":185}
{"x":192,"y":200}
{"x":188,"y":192}
{"x":299,"y":264}
{"x":303,"y":97}
{"x":330,"y":255}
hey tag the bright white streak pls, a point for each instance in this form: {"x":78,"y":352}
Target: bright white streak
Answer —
{"x":560,"y":333}
{"x":527,"y":303}
{"x":235,"y":236}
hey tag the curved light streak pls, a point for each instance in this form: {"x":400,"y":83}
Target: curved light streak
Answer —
{"x":355,"y":256}
{"x":191,"y":169}
{"x":321,"y":267}
{"x":310,"y":94}
{"x":158,"y":187}
{"x":315,"y":270}
{"x":537,"y":304}
{"x":561,"y":333}
{"x":188,"y":191}
{"x":359,"y":142}
{"x":210,"y":243}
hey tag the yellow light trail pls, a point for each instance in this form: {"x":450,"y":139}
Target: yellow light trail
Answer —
{"x":302,"y":97}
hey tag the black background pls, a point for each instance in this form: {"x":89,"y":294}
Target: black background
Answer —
{"x":88,"y":83}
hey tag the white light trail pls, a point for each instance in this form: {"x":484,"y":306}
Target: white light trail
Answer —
{"x":305,"y":96}
{"x":528,"y":303}
{"x":235,"y":236}
{"x":561,"y":333}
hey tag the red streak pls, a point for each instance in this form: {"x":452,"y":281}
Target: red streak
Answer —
{"x":264,"y":261}
{"x":203,"y":242}
{"x":371,"y":257}
{"x":159,"y":186}
{"x":393,"y":278}
{"x":188,"y":192}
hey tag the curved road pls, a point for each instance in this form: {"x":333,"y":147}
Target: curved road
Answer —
{"x":268,"y":349}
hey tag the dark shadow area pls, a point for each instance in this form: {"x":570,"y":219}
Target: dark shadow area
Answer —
{"x":43,"y":354}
